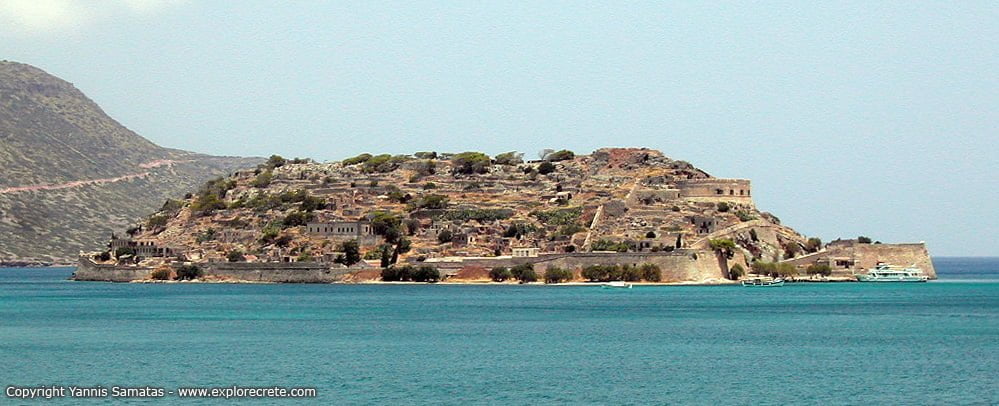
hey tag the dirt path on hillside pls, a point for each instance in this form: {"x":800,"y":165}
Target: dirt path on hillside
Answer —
{"x":79,"y":183}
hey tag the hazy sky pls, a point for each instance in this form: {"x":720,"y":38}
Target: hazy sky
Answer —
{"x":873,"y":118}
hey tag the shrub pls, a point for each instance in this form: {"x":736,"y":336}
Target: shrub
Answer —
{"x":562,"y":155}
{"x":360,"y":159}
{"x":205,"y":236}
{"x":546,"y":167}
{"x":785,"y":269}
{"x":524,"y":273}
{"x":813,"y":244}
{"x":819,"y":269}
{"x":736,"y":272}
{"x":311,"y":203}
{"x":262,"y":180}
{"x":205,"y":204}
{"x":157,"y":221}
{"x":275,"y":161}
{"x":723,"y":245}
{"x":235,"y":256}
{"x":123,"y":251}
{"x":429,"y":185}
{"x":188,"y":272}
{"x":426,"y":155}
{"x":480,"y":215}
{"x":764,"y":268}
{"x":518,"y":230}
{"x":471,"y":162}
{"x":304,"y":256}
{"x":601,"y":273}
{"x":104,"y":256}
{"x":297,"y":218}
{"x":744,"y":215}
{"x":510,"y":158}
{"x":630,"y":273}
{"x":651,"y":272}
{"x":723,"y":207}
{"x":426,"y":273}
{"x":397,"y":273}
{"x":432,"y":202}
{"x":864,"y":240}
{"x":500,"y":274}
{"x":557,"y":275}
{"x":608,"y":245}
{"x":384,"y":163}
{"x":172,"y":206}
{"x":161,"y":274}
{"x":412,"y":226}
{"x":559,"y":216}
{"x":444,"y":237}
{"x":791,"y":250}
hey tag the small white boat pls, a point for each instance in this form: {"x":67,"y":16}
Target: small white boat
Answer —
{"x":763,"y":283}
{"x":617,"y":284}
{"x":886,"y":273}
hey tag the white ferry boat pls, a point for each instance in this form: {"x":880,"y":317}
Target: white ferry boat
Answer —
{"x":886,"y":273}
{"x":617,"y":284}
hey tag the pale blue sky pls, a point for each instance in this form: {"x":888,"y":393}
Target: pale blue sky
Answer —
{"x":874,"y":118}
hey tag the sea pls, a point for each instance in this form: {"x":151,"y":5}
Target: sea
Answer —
{"x":934,"y":343}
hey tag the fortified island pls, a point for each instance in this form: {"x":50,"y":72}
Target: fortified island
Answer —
{"x":616,"y":214}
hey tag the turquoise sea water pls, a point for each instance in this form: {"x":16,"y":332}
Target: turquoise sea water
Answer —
{"x":847,"y":343}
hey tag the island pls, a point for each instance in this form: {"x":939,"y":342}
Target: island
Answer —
{"x":630,"y":214}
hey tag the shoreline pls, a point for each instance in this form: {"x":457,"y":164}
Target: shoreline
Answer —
{"x":462,"y":283}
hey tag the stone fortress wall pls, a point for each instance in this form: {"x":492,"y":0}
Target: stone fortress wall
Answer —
{"x":716,"y":190}
{"x":274,"y":272}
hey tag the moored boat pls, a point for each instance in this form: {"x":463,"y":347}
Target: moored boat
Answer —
{"x":887,"y":273}
{"x":763,"y":283}
{"x":617,"y":284}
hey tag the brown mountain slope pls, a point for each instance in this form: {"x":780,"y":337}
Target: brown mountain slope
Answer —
{"x":69,"y":172}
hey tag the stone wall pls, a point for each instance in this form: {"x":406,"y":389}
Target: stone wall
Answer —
{"x":682,"y":265}
{"x":716,"y":190}
{"x":866,"y":256}
{"x":277,"y":272}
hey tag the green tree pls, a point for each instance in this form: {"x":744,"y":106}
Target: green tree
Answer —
{"x":546,"y":167}
{"x":351,"y":252}
{"x":813,"y":244}
{"x":791,"y":250}
{"x":262,"y":180}
{"x":297,"y":218}
{"x":557,"y":275}
{"x":524,"y":273}
{"x":723,"y":246}
{"x":563,"y":155}
{"x":864,"y":240}
{"x":500,"y":274}
{"x":161,"y":274}
{"x":785,"y":269}
{"x":471,"y":162}
{"x":736,"y":272}
{"x":819,"y":269}
{"x":157,"y":221}
{"x":235,"y":256}
{"x":426,"y":273}
{"x":189,"y":272}
{"x":723,"y":207}
{"x":651,"y":273}
{"x":510,"y":158}
{"x":444,"y":237}
{"x":360,"y":159}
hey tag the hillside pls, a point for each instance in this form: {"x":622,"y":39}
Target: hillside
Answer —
{"x":71,"y":173}
{"x":430,"y":206}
